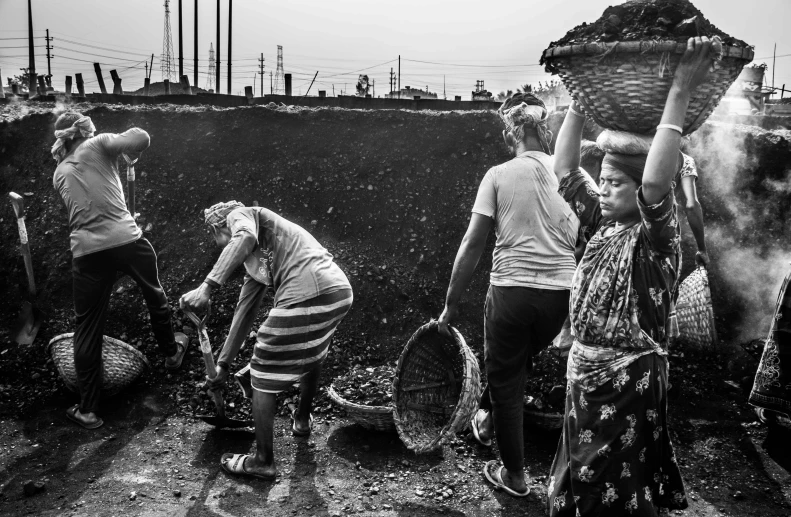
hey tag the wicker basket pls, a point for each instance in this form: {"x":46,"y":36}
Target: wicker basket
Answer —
{"x":624,"y":85}
{"x":122,"y":364}
{"x":694,"y":310}
{"x":436,"y":390}
{"x":543,"y":420}
{"x":377,"y":418}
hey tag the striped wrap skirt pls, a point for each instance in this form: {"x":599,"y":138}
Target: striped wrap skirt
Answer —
{"x":294,"y":340}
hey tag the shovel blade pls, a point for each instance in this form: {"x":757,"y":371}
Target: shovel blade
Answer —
{"x":224,"y":422}
{"x":27,"y":325}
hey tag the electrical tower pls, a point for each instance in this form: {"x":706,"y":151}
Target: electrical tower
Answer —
{"x":166,"y":62}
{"x":210,"y":80}
{"x":280,"y":77}
{"x":261,"y":65}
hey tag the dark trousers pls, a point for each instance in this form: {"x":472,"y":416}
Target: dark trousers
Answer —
{"x":93,"y":277}
{"x":519,"y":323}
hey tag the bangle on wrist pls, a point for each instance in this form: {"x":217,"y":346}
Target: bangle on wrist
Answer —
{"x":671,"y":126}
{"x":577,"y":113}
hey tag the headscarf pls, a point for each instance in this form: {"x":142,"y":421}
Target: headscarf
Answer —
{"x":216,"y":215}
{"x":630,"y":164}
{"x":533,"y":116}
{"x":82,"y":127}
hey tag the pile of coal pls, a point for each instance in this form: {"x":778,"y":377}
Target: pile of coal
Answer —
{"x":645,"y":20}
{"x":546,"y":383}
{"x":368,"y":386}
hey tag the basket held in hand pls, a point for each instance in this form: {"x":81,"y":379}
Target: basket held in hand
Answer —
{"x":377,"y":418}
{"x":436,"y":390}
{"x":624,"y":85}
{"x":122,"y":364}
{"x":694,"y":310}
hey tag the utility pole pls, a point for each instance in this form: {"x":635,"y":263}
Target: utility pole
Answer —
{"x":261,"y":63}
{"x":31,"y":77}
{"x":151,"y":67}
{"x":271,"y":87}
{"x":49,"y":56}
{"x":230,"y":7}
{"x":373,"y":84}
{"x":444,"y":96}
{"x":399,"y":76}
{"x":774,"y":60}
{"x":195,"y":47}
{"x":181,"y":45}
{"x":218,"y":46}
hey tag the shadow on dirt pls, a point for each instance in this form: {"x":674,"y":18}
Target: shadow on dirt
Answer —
{"x":351,"y":442}
{"x":71,"y":458}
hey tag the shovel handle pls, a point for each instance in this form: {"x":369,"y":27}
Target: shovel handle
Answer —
{"x":19,"y":209}
{"x":205,"y":344}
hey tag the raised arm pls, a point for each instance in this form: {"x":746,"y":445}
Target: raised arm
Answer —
{"x":662,"y":161}
{"x":567,"y":145}
{"x":132,"y":142}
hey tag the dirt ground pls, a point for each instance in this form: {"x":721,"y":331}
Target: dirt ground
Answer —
{"x":389,"y":194}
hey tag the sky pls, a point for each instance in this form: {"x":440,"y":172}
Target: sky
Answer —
{"x":445,"y":46}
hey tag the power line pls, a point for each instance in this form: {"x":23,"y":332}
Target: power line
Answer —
{"x":475,"y":66}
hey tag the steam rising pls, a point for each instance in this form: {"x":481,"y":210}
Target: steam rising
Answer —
{"x":749,"y":257}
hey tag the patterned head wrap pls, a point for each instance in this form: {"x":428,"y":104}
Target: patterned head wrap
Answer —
{"x":216,"y":215}
{"x":533,"y":115}
{"x":82,"y":127}
{"x":630,"y":164}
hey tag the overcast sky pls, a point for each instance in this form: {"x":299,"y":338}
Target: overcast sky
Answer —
{"x":462,"y":40}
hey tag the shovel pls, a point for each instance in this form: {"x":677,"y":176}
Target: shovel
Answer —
{"x":29,"y":316}
{"x":130,"y":181}
{"x":218,"y":420}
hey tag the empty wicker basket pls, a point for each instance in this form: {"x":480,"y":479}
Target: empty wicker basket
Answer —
{"x":436,"y":390}
{"x":694,"y":310}
{"x":122,"y":364}
{"x":377,"y":418}
{"x":624,"y":85}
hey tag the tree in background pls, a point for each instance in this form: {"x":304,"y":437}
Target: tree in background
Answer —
{"x":20,"y":80}
{"x":504,"y":95}
{"x":362,"y":86}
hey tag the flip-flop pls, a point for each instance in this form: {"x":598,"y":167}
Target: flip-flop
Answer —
{"x":234,"y":464}
{"x":477,"y":433}
{"x":496,"y":479}
{"x":71,"y":414}
{"x":294,"y":431}
{"x":182,"y":343}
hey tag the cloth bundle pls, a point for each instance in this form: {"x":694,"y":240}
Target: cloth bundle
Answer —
{"x":82,"y":127}
{"x":215,"y":215}
{"x":516,"y":118}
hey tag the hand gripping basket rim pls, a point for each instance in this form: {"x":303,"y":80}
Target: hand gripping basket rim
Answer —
{"x":69,"y":377}
{"x":633,"y":100}
{"x":469,"y":397}
{"x":379,"y":418}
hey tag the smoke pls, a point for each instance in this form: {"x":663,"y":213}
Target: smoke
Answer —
{"x":750,"y":258}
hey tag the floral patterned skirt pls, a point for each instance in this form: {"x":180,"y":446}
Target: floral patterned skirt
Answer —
{"x":615,"y":456}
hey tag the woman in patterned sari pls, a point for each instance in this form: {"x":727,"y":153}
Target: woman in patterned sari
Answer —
{"x":615,"y":456}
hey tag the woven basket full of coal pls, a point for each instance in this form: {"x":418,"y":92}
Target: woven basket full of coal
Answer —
{"x":437,"y":388}
{"x":694,"y":310}
{"x":122,"y":364}
{"x":620,"y":67}
{"x":376,"y":418}
{"x":624,"y":85}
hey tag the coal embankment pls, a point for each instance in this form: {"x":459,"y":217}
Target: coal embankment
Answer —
{"x":387,"y":192}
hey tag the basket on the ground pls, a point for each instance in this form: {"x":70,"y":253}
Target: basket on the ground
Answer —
{"x":624,"y":85}
{"x":122,"y":364}
{"x":542,"y":419}
{"x":377,"y":418}
{"x":436,"y":390}
{"x":694,"y":310}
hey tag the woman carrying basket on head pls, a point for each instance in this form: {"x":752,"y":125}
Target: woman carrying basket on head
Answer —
{"x":615,"y":456}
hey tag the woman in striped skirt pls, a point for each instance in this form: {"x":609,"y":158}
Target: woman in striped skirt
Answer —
{"x":311,"y":297}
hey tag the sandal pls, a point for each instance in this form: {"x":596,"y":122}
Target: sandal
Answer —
{"x":476,"y":431}
{"x":496,"y":479}
{"x":294,"y":431}
{"x":182,"y":342}
{"x":71,"y":414}
{"x":234,"y":464}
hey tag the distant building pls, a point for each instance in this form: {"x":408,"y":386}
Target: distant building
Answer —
{"x":410,"y":93}
{"x":482,"y":95}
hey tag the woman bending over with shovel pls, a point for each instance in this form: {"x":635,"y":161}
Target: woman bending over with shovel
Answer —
{"x":311,"y":297}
